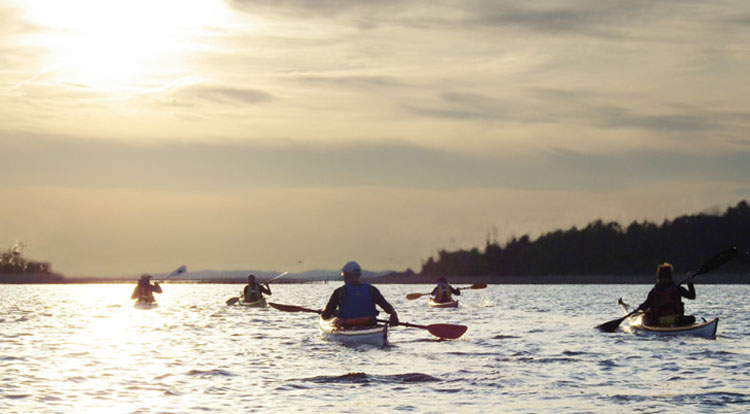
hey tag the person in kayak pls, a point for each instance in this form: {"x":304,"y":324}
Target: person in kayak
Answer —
{"x":664,"y":305}
{"x":144,"y":291}
{"x":254,"y":291}
{"x":354,"y":303}
{"x":443,"y":291}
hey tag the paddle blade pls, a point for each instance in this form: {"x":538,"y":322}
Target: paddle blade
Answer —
{"x":292,"y":308}
{"x":611,"y":326}
{"x":446,"y":331}
{"x":280,"y":275}
{"x":180,"y":270}
{"x":478,"y":286}
{"x":412,"y":296}
{"x":717,"y":260}
{"x":232,"y":301}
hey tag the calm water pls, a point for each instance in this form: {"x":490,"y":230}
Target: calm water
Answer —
{"x":529,"y":349}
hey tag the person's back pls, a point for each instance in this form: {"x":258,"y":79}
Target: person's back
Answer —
{"x":143,"y":292}
{"x":443,"y":291}
{"x":354,"y":303}
{"x":664,"y":304}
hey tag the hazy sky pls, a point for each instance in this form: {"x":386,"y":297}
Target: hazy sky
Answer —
{"x":141,"y":135}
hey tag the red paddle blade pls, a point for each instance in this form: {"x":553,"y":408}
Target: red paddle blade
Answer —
{"x":478,"y":286}
{"x":291,"y":308}
{"x":412,"y":296}
{"x":446,"y":331}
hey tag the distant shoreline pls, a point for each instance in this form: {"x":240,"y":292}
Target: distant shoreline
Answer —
{"x":706,"y":279}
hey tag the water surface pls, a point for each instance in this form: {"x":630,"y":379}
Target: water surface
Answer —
{"x":529,"y":349}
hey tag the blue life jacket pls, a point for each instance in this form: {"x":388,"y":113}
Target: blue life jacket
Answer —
{"x":357,"y":302}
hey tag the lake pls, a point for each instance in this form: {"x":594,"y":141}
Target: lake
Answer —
{"x":528,"y":349}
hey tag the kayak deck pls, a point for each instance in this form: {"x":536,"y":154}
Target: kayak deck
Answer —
{"x":260,"y":303}
{"x":452,"y":304}
{"x":637,"y":324}
{"x":360,"y":335}
{"x":143,"y":304}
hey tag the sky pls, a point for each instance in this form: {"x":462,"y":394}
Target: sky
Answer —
{"x":290,"y":135}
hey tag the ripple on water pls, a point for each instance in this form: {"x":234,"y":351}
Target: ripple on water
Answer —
{"x":714,"y":399}
{"x":363,"y":378}
{"x":210,"y":373}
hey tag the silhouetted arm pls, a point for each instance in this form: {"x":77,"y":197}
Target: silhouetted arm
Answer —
{"x":689,"y":293}
{"x":379,"y":300}
{"x":332,"y":305}
{"x":649,"y":300}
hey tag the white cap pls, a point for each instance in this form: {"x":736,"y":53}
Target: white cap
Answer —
{"x":351,"y":268}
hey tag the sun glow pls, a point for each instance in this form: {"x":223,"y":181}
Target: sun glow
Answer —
{"x":115,"y":45}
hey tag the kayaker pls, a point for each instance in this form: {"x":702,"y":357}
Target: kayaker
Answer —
{"x":443,"y":291}
{"x":144,"y":290}
{"x":354,"y":303}
{"x":664,"y":305}
{"x":254,"y":291}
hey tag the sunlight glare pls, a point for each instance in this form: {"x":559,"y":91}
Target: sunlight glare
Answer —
{"x":112,"y":45}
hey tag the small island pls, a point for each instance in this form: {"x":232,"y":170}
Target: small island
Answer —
{"x":14,"y":268}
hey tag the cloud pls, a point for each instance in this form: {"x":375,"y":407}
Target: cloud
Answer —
{"x":318,"y":9}
{"x":203,"y":166}
{"x":228,"y":95}
{"x":693,"y":121}
{"x":365,"y":82}
{"x":455,"y":105}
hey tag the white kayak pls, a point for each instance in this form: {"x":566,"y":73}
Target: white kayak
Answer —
{"x":637,"y":324}
{"x":143,"y":304}
{"x":371,"y":335}
{"x":452,"y":304}
{"x":260,"y":303}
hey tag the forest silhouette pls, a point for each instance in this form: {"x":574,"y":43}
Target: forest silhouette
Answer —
{"x":598,"y":253}
{"x":600,"y":249}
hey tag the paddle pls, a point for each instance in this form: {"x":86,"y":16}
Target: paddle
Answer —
{"x":412,"y":296}
{"x":440,"y":330}
{"x":232,"y":301}
{"x":715,"y":261}
{"x":180,"y":270}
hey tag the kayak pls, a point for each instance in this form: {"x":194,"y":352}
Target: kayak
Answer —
{"x":359,"y":335}
{"x":143,"y":304}
{"x":452,"y":304}
{"x":637,"y":324}
{"x":260,"y":303}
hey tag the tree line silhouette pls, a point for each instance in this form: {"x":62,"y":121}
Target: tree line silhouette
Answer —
{"x":604,"y":249}
{"x":14,"y":268}
{"x":598,"y":250}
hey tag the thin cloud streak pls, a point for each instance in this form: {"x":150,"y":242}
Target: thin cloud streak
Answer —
{"x":240,"y":165}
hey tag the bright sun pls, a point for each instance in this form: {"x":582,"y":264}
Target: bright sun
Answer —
{"x":113,"y":45}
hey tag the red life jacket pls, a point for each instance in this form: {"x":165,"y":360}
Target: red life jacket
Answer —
{"x":667,"y":301}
